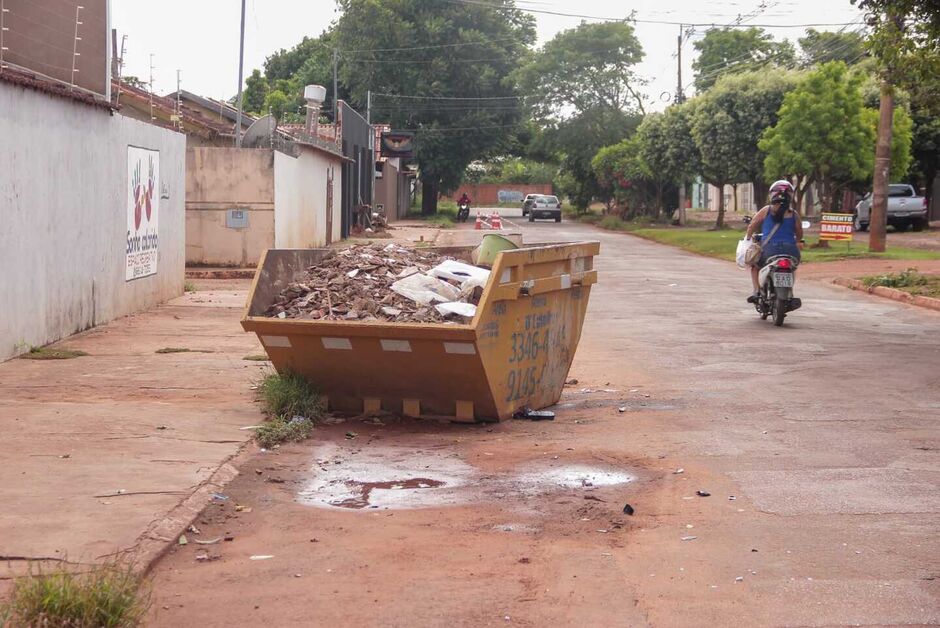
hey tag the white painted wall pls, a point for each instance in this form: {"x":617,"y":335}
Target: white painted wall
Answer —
{"x":63,"y":217}
{"x":300,"y":185}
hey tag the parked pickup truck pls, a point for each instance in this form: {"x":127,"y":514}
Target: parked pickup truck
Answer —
{"x":905,"y":209}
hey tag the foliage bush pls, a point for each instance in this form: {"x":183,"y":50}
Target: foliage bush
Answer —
{"x":112,"y":595}
{"x":293,"y":407}
{"x":904,"y":279}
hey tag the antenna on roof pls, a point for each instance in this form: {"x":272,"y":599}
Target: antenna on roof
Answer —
{"x":179,"y":104}
{"x":151,"y":87}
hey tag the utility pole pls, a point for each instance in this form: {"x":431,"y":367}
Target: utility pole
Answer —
{"x":241,"y":69}
{"x":680,"y":97}
{"x":371,"y":146}
{"x":877,"y":241}
{"x":335,"y":96}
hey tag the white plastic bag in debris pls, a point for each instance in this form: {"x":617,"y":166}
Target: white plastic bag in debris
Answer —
{"x":458,"y":271}
{"x":424,"y":290}
{"x":462,"y":309}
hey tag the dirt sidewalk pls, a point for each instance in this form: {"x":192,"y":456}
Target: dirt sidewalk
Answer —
{"x":111,"y":451}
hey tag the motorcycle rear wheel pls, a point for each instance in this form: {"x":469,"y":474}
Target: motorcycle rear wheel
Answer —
{"x":780,"y":311}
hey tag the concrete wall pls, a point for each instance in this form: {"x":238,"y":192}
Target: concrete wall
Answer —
{"x":482,"y":194}
{"x":300,"y":199}
{"x":219,"y":180}
{"x":387,"y":191}
{"x":63,"y":217}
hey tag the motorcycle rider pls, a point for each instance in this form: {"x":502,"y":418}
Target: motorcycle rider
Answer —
{"x":464,"y":199}
{"x":781,"y":230}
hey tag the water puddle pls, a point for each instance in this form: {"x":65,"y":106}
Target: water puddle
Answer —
{"x":405,"y":478}
{"x":364,"y":490}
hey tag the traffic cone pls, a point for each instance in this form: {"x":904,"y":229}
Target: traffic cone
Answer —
{"x":479,"y":223}
{"x":497,"y":221}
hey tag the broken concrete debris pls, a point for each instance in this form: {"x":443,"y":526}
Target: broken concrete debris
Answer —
{"x":383,"y":283}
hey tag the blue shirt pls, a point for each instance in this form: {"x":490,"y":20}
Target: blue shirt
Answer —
{"x":783,"y":241}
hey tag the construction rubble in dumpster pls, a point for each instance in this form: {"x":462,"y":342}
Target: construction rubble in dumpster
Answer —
{"x":384,"y":283}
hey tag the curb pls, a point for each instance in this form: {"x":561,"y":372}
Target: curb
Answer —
{"x":889,"y":293}
{"x":225,"y":273}
{"x":162,"y":535}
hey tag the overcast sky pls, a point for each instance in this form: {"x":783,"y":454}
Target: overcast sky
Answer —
{"x":200,"y":37}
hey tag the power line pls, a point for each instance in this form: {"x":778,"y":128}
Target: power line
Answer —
{"x":759,"y":63}
{"x":432,"y":47}
{"x":454,"y":97}
{"x":422,"y":61}
{"x":466,"y":128}
{"x":639,"y":20}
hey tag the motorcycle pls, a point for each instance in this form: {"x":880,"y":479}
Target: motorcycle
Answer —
{"x":775,"y":297}
{"x":463,"y":212}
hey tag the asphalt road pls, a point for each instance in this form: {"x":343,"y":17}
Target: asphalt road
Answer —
{"x":829,"y":425}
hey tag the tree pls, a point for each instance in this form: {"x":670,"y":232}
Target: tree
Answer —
{"x":825,"y":135}
{"x":621,"y":173}
{"x":719,"y":138}
{"x":906,"y":41}
{"x":583,"y":68}
{"x":284,"y":63}
{"x":650,"y":142}
{"x":731,"y":50}
{"x":256,"y":91}
{"x":134,"y":81}
{"x":751,"y":100}
{"x":825,"y":46}
{"x":277,"y":103}
{"x":579,"y":139}
{"x":586,"y":95}
{"x":925,"y":114}
{"x":458,"y":98}
{"x":682,"y":159}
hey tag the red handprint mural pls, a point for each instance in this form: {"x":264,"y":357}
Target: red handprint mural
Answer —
{"x":143,"y":193}
{"x":135,"y":185}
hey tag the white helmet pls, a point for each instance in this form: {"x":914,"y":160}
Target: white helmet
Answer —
{"x":781,"y":186}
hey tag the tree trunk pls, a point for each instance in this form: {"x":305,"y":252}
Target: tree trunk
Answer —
{"x":734,"y":192}
{"x":760,"y":193}
{"x":825,"y":195}
{"x":720,"y":223}
{"x":659,"y":200}
{"x":682,"y":204}
{"x":879,"y":204}
{"x":429,"y":197}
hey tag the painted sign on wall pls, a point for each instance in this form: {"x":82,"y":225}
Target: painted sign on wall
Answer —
{"x":143,"y":210}
{"x":509,"y":196}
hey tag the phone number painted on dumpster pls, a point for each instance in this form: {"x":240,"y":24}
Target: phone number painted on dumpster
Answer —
{"x":528,"y":346}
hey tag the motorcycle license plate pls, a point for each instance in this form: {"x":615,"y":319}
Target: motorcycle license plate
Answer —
{"x":783,"y":280}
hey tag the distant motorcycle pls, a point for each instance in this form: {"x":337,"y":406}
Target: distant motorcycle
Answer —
{"x":463,"y":212}
{"x":776,"y":279}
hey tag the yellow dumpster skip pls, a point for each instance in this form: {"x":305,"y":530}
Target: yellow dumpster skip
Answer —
{"x":514,"y":354}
